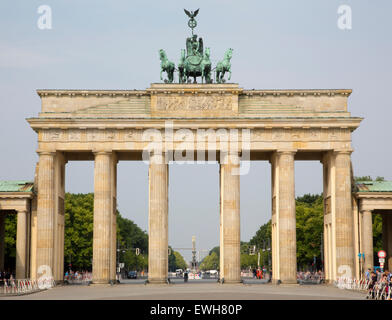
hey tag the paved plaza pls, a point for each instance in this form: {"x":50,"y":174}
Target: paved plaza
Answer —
{"x":194,"y":291}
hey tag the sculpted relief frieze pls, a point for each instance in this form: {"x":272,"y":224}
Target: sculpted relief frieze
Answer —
{"x":194,"y":103}
{"x":262,"y":134}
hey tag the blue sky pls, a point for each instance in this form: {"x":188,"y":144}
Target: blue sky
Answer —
{"x":114,"y":45}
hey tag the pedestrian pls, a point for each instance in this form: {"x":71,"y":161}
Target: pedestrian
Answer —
{"x":367,"y":274}
{"x":373,"y":281}
{"x":186,"y":276}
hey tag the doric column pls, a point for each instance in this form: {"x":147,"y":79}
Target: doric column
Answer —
{"x":102,"y":217}
{"x":344,"y":233}
{"x":230,"y":266}
{"x":2,"y":238}
{"x":286,"y":216}
{"x":158,"y":219}
{"x":367,"y":239}
{"x":33,"y":230}
{"x":21,"y":244}
{"x":45,"y":213}
{"x":60,"y":162}
{"x":327,"y":195}
{"x":114,"y":218}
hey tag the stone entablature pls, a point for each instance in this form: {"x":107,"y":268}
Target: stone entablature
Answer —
{"x":374,"y":200}
{"x":193,"y":101}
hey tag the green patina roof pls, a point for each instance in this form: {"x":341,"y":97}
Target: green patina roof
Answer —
{"x":16,"y":186}
{"x":374,"y":186}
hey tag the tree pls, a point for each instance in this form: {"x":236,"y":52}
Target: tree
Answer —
{"x":248,"y":261}
{"x":180,"y":261}
{"x":135,"y":262}
{"x":216,"y":250}
{"x":377,"y":236}
{"x":309,"y":229}
{"x":368,"y":178}
{"x":10,"y":242}
{"x":78,"y":231}
{"x":210,"y":262}
{"x":78,"y":238}
{"x":363,"y":178}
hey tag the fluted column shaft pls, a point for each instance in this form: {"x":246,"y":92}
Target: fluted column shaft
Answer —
{"x":158,"y":220}
{"x":367,"y":236}
{"x":2,"y":238}
{"x":286,"y":216}
{"x":45,"y":213}
{"x":343,"y":215}
{"x":102,"y":218}
{"x":21,"y":244}
{"x":230,"y":265}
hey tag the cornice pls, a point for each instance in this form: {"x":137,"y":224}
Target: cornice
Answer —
{"x":16,"y":195}
{"x":297,"y":92}
{"x":195,"y":89}
{"x":251,"y":123}
{"x":374,"y":195}
{"x":90,"y":93}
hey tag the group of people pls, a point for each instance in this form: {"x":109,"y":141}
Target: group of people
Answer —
{"x":6,"y":276}
{"x":77,"y":275}
{"x":380,"y":285}
{"x":317,"y":276}
{"x":259,"y":273}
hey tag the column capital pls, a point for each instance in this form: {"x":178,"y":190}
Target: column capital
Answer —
{"x":286,"y":151}
{"x":234,"y":157}
{"x":46,"y":153}
{"x":102,"y":152}
{"x":343,"y":151}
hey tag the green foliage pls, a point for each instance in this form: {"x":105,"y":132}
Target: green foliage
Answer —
{"x":248,"y":261}
{"x":78,"y":232}
{"x":210,"y":262}
{"x":180,"y":261}
{"x":176,"y":261}
{"x":368,"y":178}
{"x":134,"y":262}
{"x":216,"y":250}
{"x":309,"y":228}
{"x":377,"y":235}
{"x":10,"y":241}
{"x":130,"y":236}
{"x":78,"y":238}
{"x":363,"y":178}
{"x":262,"y":237}
{"x":310,"y":221}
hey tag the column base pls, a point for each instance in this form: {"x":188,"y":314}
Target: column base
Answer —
{"x":225,"y":281}
{"x":103,"y":282}
{"x":157,"y":281}
{"x":289,"y":281}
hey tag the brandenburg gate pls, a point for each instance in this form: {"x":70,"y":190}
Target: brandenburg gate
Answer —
{"x":205,"y":121}
{"x":109,"y":126}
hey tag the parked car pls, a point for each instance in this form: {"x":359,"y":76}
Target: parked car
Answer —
{"x":132,"y":275}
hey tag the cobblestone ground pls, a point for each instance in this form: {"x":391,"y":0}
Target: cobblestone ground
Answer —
{"x":195,"y":291}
